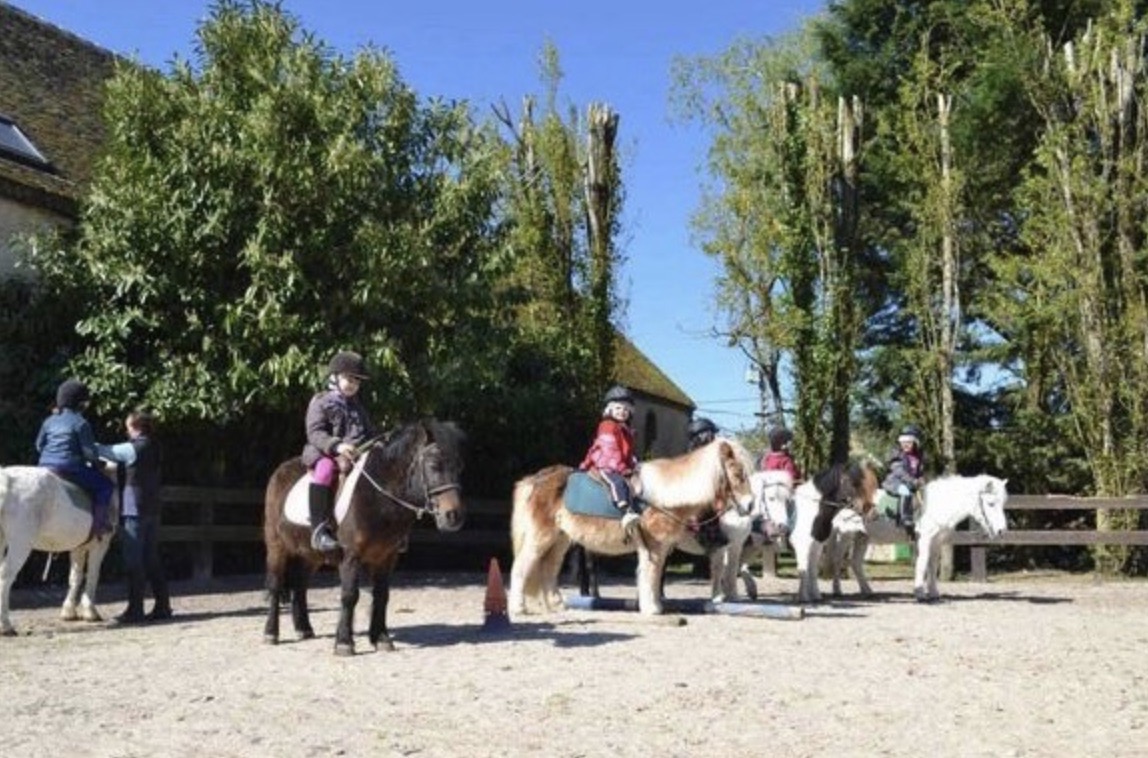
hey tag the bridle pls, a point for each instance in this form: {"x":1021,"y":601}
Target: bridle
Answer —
{"x":417,"y":468}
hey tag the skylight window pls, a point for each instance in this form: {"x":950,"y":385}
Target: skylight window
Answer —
{"x":14,"y":143}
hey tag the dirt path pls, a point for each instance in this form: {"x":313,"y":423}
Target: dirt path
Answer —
{"x":1010,"y":668}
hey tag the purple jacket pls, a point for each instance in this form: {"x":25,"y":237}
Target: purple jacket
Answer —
{"x":334,"y":418}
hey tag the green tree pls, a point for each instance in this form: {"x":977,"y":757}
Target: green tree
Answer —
{"x":785,"y":223}
{"x":269,"y":204}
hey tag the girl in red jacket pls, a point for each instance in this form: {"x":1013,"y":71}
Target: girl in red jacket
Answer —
{"x":612,"y":452}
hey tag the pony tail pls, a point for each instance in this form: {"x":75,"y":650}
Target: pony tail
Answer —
{"x":523,"y":489}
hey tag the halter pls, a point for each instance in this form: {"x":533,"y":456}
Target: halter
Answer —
{"x":982,"y":496}
{"x":430,"y":494}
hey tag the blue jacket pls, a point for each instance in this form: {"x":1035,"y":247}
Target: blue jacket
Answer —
{"x":66,"y":440}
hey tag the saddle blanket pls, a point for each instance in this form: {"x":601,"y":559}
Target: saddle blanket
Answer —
{"x":587,"y":496}
{"x":297,"y":509}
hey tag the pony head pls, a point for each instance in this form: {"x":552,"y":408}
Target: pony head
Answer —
{"x":989,"y":513}
{"x":771,"y":493}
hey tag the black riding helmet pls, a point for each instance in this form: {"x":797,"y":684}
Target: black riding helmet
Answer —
{"x":348,"y":363}
{"x":701,"y":426}
{"x":618,"y":394}
{"x":779,"y":437}
{"x":72,"y":393}
{"x":912,"y":430}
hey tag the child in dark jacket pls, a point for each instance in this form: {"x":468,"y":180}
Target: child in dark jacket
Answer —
{"x":906,"y":474}
{"x":67,"y":446}
{"x":337,"y":424}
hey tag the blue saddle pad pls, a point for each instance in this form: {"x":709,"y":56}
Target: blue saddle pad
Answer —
{"x":587,"y":496}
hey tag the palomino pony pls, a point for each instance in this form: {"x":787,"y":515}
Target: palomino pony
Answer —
{"x":41,"y":511}
{"x":745,"y":530}
{"x":816,"y":503}
{"x":415,"y":472}
{"x":675,"y":491}
{"x":947,"y":502}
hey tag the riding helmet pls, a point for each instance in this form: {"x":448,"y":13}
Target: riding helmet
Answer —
{"x":349,"y":363}
{"x":779,"y":437}
{"x":910,"y":430}
{"x":618,"y":394}
{"x":72,"y":393}
{"x":700,"y":426}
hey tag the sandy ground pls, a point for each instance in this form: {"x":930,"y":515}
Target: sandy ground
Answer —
{"x":1016,"y":667}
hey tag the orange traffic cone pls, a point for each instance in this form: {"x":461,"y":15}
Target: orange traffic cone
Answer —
{"x":494,"y":607}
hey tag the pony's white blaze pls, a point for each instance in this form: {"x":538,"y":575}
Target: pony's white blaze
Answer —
{"x":38,"y":513}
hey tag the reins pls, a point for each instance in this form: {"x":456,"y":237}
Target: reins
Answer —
{"x":429,"y":492}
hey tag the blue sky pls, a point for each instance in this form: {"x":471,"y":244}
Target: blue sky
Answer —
{"x":617,"y":52}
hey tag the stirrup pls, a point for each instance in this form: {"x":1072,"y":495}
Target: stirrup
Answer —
{"x":322,"y":540}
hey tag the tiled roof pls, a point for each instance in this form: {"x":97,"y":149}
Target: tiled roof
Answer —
{"x":633,"y":369}
{"x":51,"y":86}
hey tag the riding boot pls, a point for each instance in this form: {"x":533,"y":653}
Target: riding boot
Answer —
{"x":320,"y":506}
{"x":905,"y":512}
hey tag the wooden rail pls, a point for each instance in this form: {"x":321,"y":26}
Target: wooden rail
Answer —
{"x":979,"y":544}
{"x":191,"y":515}
{"x":200,"y":506}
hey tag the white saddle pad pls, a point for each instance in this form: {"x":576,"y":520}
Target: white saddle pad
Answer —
{"x":297,"y":509}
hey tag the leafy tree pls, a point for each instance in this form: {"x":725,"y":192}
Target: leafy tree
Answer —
{"x":268,"y":205}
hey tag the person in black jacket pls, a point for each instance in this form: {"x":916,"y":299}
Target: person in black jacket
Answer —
{"x":140,"y":463}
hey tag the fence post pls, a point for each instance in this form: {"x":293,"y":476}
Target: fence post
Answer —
{"x":946,"y":573}
{"x":203,"y":550}
{"x":979,"y":564}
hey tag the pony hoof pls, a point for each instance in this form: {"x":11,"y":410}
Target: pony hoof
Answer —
{"x":270,"y":639}
{"x":344,"y":650}
{"x":385,"y":645}
{"x":69,"y":614}
{"x":305,"y":634}
{"x":92,"y":615}
{"x":7,"y":632}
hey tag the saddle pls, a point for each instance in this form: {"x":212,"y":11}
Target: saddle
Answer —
{"x":587,"y":495}
{"x":296,"y":509}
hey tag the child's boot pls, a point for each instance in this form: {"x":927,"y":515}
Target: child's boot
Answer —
{"x":320,"y":507}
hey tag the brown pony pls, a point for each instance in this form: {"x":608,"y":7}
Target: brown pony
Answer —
{"x":675,"y":491}
{"x":415,"y":472}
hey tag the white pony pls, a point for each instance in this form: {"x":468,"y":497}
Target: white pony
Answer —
{"x":40,"y":511}
{"x":771,"y":491}
{"x":947,"y":502}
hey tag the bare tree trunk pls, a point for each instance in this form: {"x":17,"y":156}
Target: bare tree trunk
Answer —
{"x":950,"y":292}
{"x":600,"y":184}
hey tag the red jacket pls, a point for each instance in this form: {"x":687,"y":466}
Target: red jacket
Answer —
{"x":779,"y":460}
{"x":612,"y":450}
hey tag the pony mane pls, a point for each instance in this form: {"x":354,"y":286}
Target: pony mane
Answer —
{"x":400,"y":443}
{"x":692,"y":478}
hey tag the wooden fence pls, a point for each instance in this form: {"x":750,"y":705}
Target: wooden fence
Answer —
{"x":205,"y":517}
{"x":979,"y":544}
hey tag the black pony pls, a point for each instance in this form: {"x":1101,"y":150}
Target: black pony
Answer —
{"x":415,"y":472}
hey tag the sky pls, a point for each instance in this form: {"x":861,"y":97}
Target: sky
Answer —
{"x":617,"y":52}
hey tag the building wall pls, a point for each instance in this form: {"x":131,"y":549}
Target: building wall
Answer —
{"x":16,"y":218}
{"x":659,"y":429}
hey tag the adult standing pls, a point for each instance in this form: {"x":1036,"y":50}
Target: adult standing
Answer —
{"x":140,"y":510}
